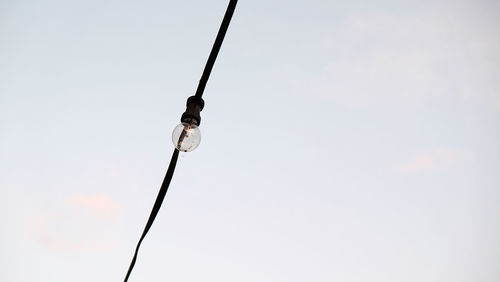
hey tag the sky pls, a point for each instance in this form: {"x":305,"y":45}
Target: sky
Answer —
{"x":346,"y":141}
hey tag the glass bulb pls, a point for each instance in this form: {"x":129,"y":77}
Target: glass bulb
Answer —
{"x":186,"y":137}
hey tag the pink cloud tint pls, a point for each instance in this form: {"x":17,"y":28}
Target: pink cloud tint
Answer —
{"x":101,"y":205}
{"x":436,"y":160}
{"x":87,"y":224}
{"x":418,"y":163}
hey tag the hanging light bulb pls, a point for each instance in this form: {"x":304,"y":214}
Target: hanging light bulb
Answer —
{"x":186,"y":136}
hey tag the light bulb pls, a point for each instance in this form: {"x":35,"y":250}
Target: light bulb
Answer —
{"x":186,"y":137}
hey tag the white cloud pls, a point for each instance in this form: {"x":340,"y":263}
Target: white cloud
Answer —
{"x":443,"y":54}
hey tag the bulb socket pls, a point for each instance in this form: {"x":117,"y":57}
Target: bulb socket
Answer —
{"x":194,"y":106}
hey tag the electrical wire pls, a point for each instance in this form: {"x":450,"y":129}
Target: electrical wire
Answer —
{"x":173,"y":161}
{"x":215,"y":49}
{"x":156,"y":207}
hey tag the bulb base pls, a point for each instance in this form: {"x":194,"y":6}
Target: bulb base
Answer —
{"x":194,"y":106}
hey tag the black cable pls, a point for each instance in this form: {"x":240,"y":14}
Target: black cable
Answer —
{"x":156,"y":207}
{"x":215,"y":49}
{"x":175,"y":155}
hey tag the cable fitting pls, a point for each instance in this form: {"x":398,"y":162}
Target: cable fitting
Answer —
{"x":194,"y":106}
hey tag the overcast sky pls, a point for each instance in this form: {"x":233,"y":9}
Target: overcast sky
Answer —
{"x":341,"y":141}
